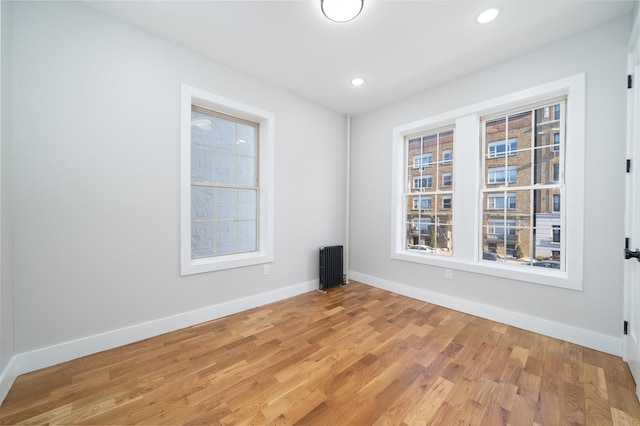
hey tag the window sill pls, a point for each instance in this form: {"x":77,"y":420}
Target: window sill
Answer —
{"x":498,"y":269}
{"x":210,"y":264}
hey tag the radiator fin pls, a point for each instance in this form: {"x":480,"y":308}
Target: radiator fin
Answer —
{"x":330,"y":266}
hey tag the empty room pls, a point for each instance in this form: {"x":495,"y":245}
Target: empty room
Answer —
{"x":320,"y":212}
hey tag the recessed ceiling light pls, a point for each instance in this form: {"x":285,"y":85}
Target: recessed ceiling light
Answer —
{"x":488,"y":15}
{"x":357,"y":81}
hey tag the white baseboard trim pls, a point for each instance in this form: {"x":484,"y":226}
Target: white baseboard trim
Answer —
{"x":7,"y":377}
{"x":45,"y":357}
{"x":569,"y":333}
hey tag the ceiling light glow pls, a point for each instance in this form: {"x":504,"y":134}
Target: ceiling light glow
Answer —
{"x":341,"y":10}
{"x":488,"y":15}
{"x":357,"y":81}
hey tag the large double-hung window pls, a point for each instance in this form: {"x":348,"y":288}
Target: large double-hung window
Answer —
{"x":226,"y":183}
{"x":518,"y":212}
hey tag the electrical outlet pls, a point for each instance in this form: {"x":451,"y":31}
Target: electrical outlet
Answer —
{"x":448,"y":273}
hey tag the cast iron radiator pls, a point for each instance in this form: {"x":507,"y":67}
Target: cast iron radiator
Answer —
{"x":330,"y":266}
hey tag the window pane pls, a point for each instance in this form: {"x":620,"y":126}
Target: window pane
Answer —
{"x":225,"y":131}
{"x":225,"y":201}
{"x":225,"y":237}
{"x":546,"y":163}
{"x":225,"y":168}
{"x":201,"y":130}
{"x":520,"y":129}
{"x":201,"y":165}
{"x":246,"y":171}
{"x":547,"y":219}
{"x":548,"y":128}
{"x":247,"y":204}
{"x":246,"y":235}
{"x":443,"y":239}
{"x":201,"y":203}
{"x":495,"y":130}
{"x":246,"y":142}
{"x":419,"y":230}
{"x":201,"y":239}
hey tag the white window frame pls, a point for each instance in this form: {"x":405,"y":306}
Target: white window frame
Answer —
{"x":266,"y":120}
{"x":467,"y":126}
{"x":447,"y":153}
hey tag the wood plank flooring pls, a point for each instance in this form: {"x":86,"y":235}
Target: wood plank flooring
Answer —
{"x":357,"y":355}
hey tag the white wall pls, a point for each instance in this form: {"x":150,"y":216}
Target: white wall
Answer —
{"x":96,"y":177}
{"x":601,"y":54}
{"x":6,"y":245}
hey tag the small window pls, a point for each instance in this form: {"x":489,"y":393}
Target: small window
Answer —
{"x":446,"y":179}
{"x":556,"y":141}
{"x":556,"y":172}
{"x":555,"y":231}
{"x":556,"y":112}
{"x":422,"y":182}
{"x":556,"y":202}
{"x":502,"y":148}
{"x":447,"y":156}
{"x":499,"y":228}
{"x":422,"y":203}
{"x":423,"y":160}
{"x":446,"y":202}
{"x":502,"y":174}
{"x":496,"y":201}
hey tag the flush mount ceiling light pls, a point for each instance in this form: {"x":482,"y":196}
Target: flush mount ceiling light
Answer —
{"x":341,"y":10}
{"x":488,"y":15}
{"x":357,"y":81}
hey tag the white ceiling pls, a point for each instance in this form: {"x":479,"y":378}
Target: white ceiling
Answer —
{"x":398,"y":47}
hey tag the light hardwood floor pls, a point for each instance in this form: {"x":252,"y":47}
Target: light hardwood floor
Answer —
{"x":357,"y":355}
